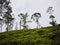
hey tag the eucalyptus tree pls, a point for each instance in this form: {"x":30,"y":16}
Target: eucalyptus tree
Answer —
{"x":8,"y":20}
{"x":2,"y":10}
{"x":8,"y":15}
{"x":50,"y":11}
{"x":23,"y":20}
{"x":36,"y":17}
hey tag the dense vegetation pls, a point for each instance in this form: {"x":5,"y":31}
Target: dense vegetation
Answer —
{"x":25,"y":36}
{"x":42,"y":36}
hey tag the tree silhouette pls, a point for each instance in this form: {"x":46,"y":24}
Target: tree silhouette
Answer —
{"x":36,"y":17}
{"x":50,"y":11}
{"x":7,"y":15}
{"x":52,"y":17}
{"x":53,"y":22}
{"x":23,"y":20}
{"x":2,"y":11}
{"x":8,"y":20}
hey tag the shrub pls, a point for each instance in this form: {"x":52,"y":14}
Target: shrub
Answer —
{"x":40,"y":32}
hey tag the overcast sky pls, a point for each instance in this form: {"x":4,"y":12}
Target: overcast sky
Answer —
{"x":32,"y":6}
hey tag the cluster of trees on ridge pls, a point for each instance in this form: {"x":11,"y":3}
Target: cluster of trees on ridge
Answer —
{"x":6,"y":16}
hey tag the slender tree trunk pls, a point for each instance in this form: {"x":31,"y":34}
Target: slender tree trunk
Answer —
{"x":24,"y":26}
{"x":7,"y":28}
{"x":37,"y":25}
{"x":37,"y":22}
{"x":52,"y":19}
{"x":20,"y":24}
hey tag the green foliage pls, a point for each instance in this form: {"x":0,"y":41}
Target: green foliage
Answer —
{"x":36,"y":17}
{"x":5,"y":12}
{"x":23,"y":20}
{"x":43,"y":36}
{"x":50,"y":11}
{"x":53,"y":23}
{"x":40,"y":32}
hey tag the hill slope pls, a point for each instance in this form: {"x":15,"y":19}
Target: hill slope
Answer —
{"x":43,"y":36}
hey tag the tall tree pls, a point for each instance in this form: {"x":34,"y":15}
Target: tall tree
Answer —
{"x":8,"y":20}
{"x":7,"y":16}
{"x":50,"y":11}
{"x":23,"y":20}
{"x":36,"y":17}
{"x":2,"y":10}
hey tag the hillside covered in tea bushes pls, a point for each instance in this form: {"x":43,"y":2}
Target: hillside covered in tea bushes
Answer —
{"x":41,"y":36}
